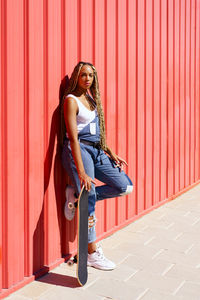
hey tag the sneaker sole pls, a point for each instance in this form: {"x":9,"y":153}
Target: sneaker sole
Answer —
{"x":100,"y":268}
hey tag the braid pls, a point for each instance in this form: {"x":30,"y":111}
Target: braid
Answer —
{"x":96,"y":96}
{"x":94,"y":89}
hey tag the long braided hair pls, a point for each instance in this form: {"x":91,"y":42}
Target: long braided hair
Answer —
{"x":94,"y":90}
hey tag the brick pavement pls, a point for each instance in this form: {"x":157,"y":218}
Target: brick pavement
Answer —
{"x":157,"y":256}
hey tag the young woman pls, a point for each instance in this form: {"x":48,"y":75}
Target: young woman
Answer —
{"x":86,"y":155}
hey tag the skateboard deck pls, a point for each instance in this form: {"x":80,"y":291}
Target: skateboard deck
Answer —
{"x":82,"y":252}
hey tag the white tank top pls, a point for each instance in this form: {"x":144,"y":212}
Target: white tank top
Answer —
{"x":85,"y":116}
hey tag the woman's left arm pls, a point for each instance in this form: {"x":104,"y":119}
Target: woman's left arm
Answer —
{"x":120,"y":162}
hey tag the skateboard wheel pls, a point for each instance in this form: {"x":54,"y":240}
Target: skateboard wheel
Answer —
{"x":70,"y":262}
{"x":70,"y":205}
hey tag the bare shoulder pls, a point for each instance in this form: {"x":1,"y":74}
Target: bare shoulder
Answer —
{"x":70,"y":106}
{"x":70,"y":102}
{"x":69,"y":98}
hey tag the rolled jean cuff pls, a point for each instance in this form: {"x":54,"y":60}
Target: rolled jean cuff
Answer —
{"x":92,"y":230}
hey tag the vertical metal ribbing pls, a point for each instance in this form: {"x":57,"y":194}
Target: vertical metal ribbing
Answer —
{"x":117,"y":98}
{"x":136,"y":108}
{"x":27,"y":268}
{"x":45,"y":126}
{"x":127,"y":94}
{"x":160,"y":119}
{"x":179,"y":91}
{"x":194,"y":175}
{"x":167,"y":96}
{"x":185,"y":100}
{"x":79,"y":3}
{"x":145,"y":106}
{"x":4,"y":143}
{"x":173,"y":97}
{"x":199,"y":91}
{"x":63,"y":63}
{"x":153,"y":192}
{"x":93,"y":31}
{"x":190,"y":117}
{"x":105,"y":89}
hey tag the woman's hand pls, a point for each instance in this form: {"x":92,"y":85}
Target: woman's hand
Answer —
{"x":120,"y":162}
{"x":86,"y":181}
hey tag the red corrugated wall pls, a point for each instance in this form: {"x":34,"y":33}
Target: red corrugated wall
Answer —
{"x":147,"y":54}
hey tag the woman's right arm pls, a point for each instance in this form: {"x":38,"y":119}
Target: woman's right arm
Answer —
{"x":70,"y":112}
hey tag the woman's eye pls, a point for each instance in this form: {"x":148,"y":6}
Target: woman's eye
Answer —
{"x":85,"y":75}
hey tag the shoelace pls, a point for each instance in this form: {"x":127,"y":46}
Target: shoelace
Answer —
{"x":100,"y":254}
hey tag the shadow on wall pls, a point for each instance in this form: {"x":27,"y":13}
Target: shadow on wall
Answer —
{"x":67,"y":229}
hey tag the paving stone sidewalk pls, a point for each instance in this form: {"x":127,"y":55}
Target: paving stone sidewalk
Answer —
{"x":157,"y":256}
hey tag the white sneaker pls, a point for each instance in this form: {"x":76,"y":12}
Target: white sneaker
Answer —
{"x":69,"y":209}
{"x":99,"y":261}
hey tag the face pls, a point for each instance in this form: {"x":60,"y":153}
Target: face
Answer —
{"x":86,"y":76}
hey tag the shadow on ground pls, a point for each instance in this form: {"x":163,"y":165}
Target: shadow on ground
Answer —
{"x":61,"y":280}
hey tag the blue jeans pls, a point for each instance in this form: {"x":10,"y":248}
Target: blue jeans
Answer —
{"x":97,"y":165}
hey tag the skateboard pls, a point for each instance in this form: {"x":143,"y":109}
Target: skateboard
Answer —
{"x":82,"y":252}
